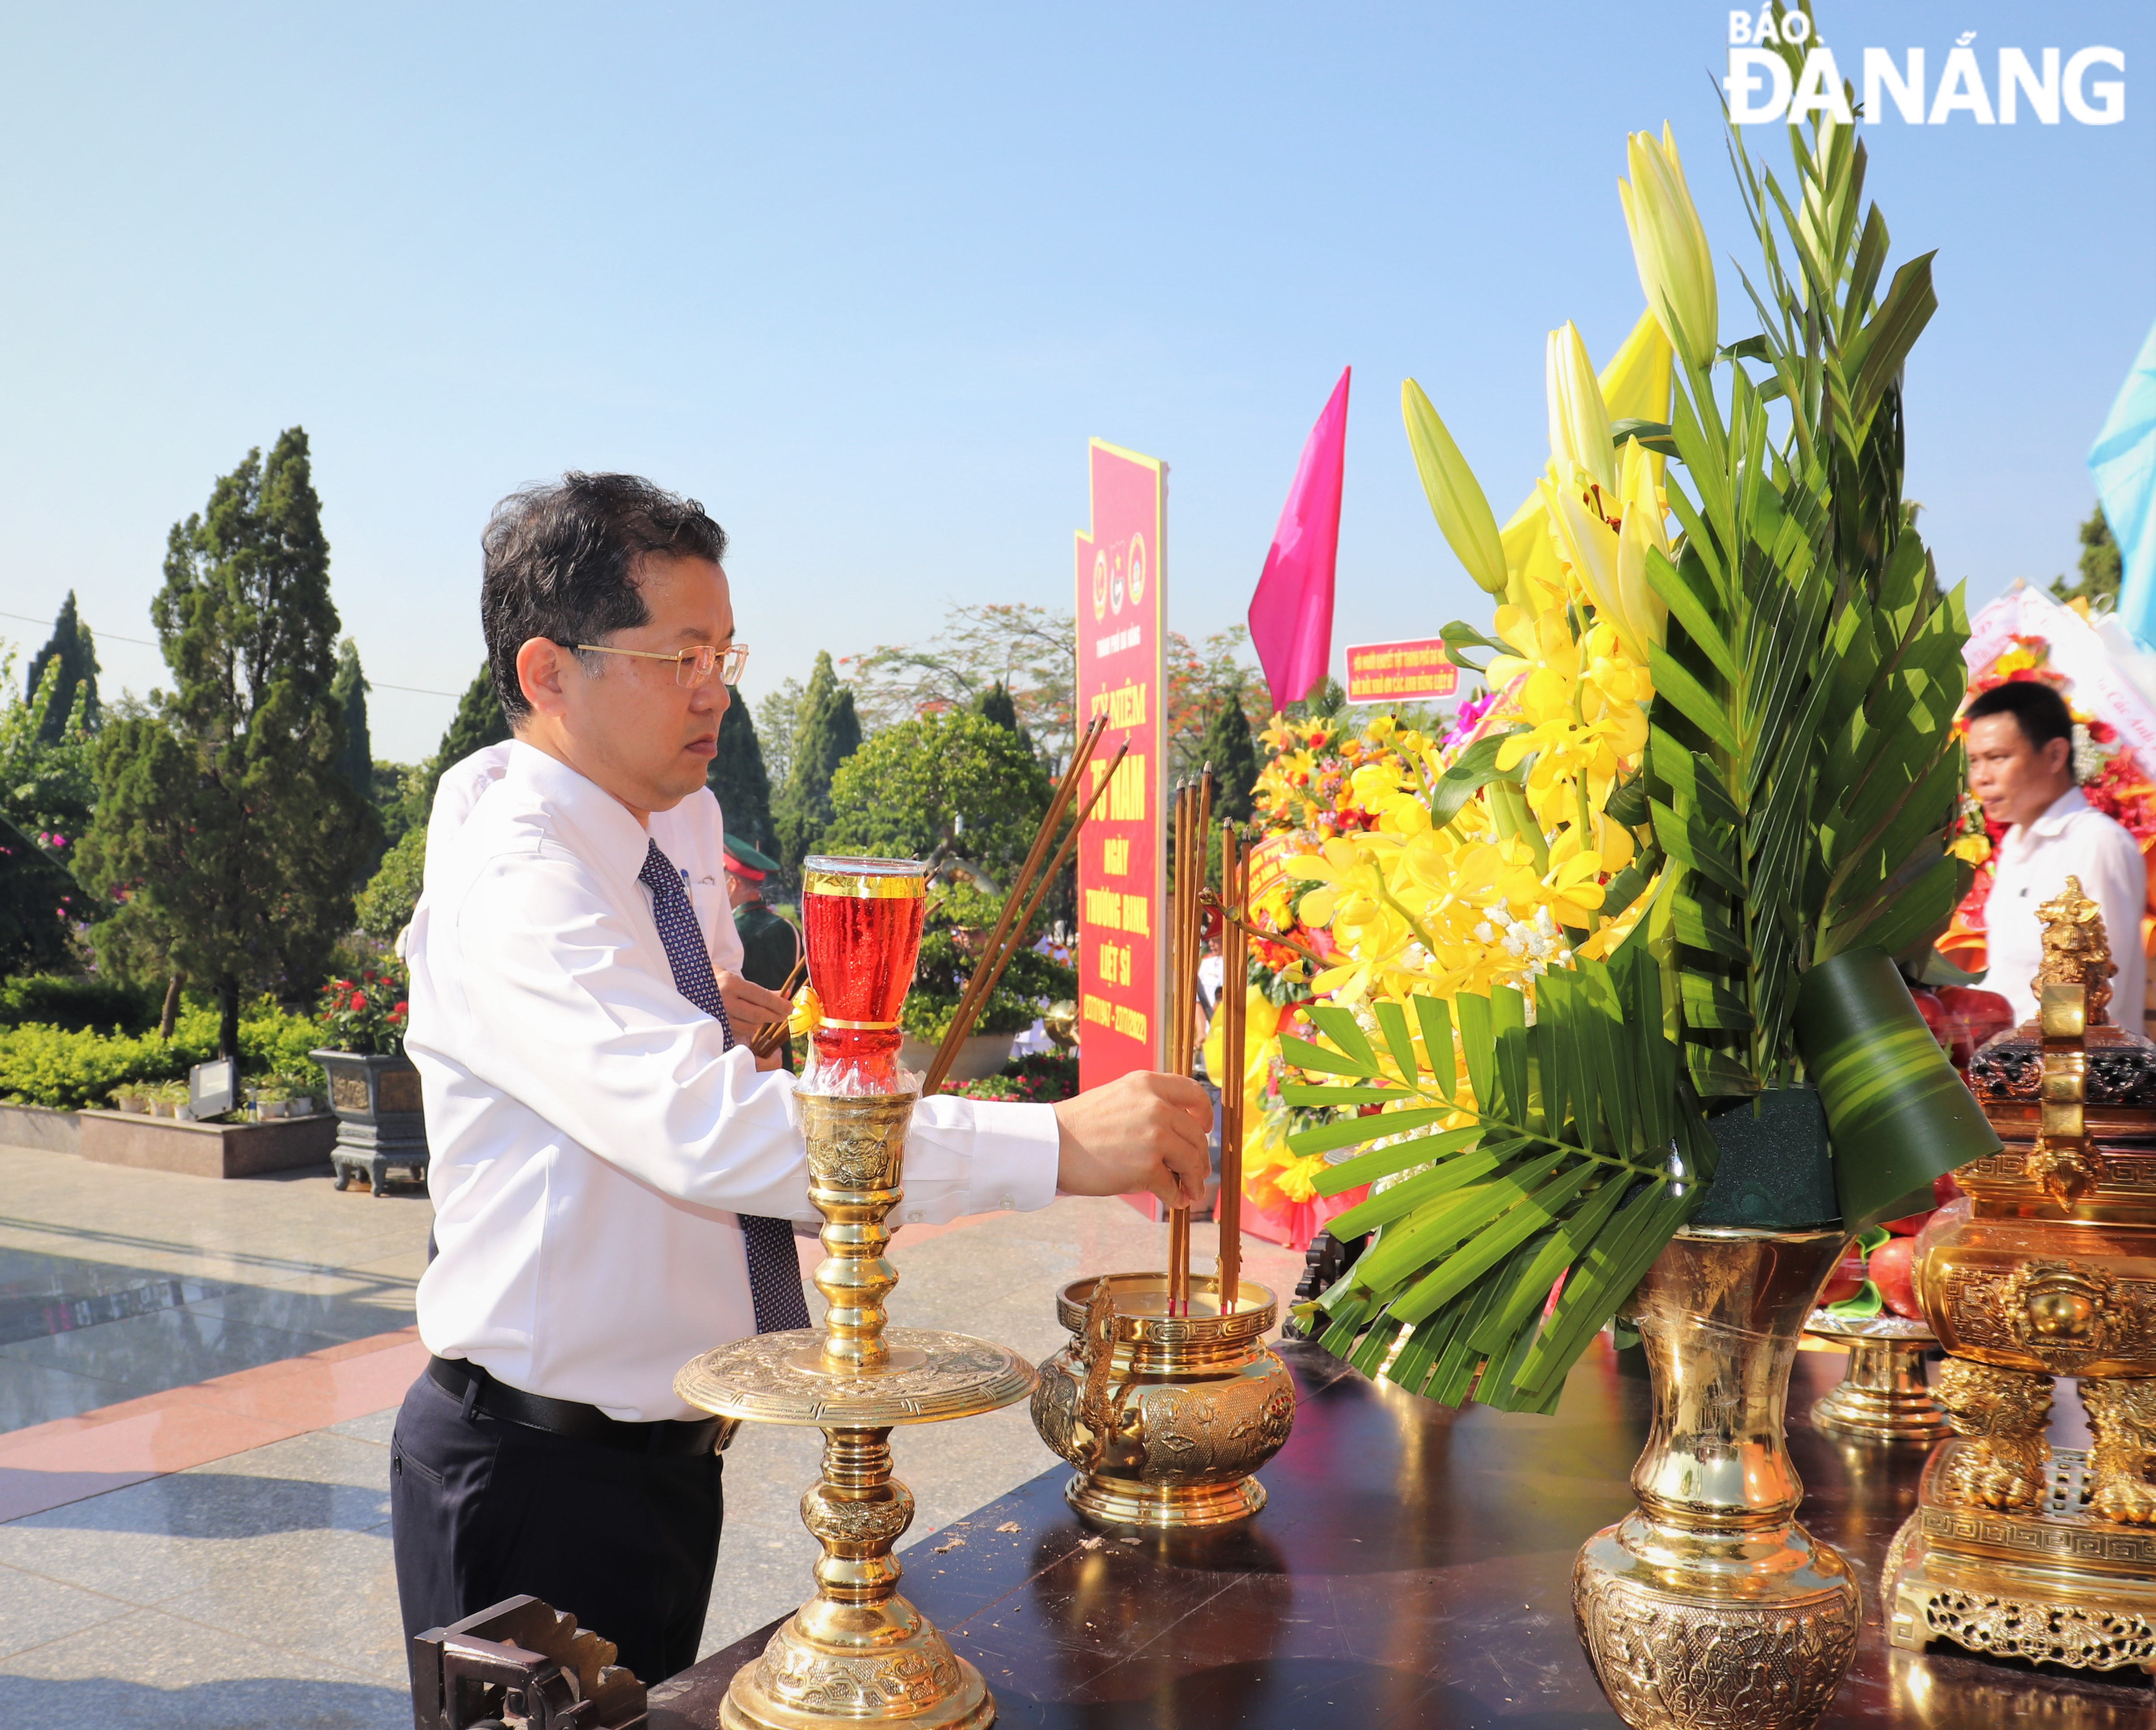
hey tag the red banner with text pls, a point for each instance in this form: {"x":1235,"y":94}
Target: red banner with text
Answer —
{"x":1122,"y":674}
{"x":1414,"y":671}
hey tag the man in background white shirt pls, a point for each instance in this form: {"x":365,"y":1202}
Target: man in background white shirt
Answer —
{"x":2020,"y":747}
{"x":604,"y":1157}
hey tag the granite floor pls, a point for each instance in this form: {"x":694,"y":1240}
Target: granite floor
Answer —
{"x":199,"y":1381}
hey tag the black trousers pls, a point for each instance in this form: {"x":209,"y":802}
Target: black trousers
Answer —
{"x":480,"y":1510}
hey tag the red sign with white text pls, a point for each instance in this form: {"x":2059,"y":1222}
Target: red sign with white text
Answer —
{"x":1122,"y":674}
{"x":1410,"y":672}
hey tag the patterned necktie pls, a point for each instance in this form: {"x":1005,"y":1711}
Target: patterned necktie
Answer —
{"x":774,"y":1272}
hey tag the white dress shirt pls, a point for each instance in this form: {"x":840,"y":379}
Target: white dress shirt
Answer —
{"x":591,"y":1143}
{"x":2071,"y":839}
{"x":693,"y":834}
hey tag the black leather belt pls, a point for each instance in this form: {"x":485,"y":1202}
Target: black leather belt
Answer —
{"x":462,"y":1380}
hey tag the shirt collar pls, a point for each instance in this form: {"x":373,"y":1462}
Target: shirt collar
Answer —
{"x":619,"y":843}
{"x":2053,"y":822}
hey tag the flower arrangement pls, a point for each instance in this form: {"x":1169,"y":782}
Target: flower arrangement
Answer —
{"x":1666,"y":871}
{"x":365,"y":1014}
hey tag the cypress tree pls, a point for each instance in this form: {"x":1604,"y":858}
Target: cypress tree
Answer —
{"x":225,"y":827}
{"x":738,"y":778}
{"x":356,"y":762}
{"x":70,"y":645}
{"x":996,"y":704}
{"x":827,"y":732}
{"x":2102,"y":565}
{"x":1228,"y":746}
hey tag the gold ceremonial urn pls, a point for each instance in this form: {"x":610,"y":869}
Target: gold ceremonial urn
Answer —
{"x":1708,"y":1607}
{"x":1167,"y":1418}
{"x":2047,"y":1269}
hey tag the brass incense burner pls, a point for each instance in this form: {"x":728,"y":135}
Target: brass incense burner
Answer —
{"x":2047,"y":1269}
{"x":1168,"y":1417}
{"x":857,"y":1653}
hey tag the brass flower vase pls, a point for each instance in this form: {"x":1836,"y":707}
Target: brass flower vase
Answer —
{"x":1167,"y":1418}
{"x":1709,"y":1606}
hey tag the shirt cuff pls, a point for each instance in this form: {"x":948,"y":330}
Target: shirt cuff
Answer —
{"x":1012,"y":1149}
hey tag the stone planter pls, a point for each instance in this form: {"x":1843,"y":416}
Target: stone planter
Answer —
{"x":381,"y":1125}
{"x":35,"y":1127}
{"x":983,"y":1054}
{"x":205,"y":1150}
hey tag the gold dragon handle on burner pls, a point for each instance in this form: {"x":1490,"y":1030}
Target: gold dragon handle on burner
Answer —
{"x":2073,"y":991}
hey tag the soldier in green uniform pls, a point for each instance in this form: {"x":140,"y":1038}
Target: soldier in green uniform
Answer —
{"x":770,"y":946}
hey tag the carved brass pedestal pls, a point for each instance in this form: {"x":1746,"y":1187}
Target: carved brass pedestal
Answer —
{"x":1167,"y":1418}
{"x":2048,"y":1268}
{"x":857,"y":1653}
{"x":1884,"y":1397}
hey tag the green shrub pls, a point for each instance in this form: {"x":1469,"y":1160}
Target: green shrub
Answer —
{"x":78,"y":1004}
{"x":385,"y":905}
{"x":67,"y":1070}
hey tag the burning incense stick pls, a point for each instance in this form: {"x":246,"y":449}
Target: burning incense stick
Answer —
{"x":989,"y":969}
{"x":1193,"y":822}
{"x":1234,"y":965}
{"x":768,"y":1036}
{"x":986,"y":968}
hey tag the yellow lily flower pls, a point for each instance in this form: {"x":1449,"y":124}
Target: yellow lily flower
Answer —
{"x":1669,"y":246}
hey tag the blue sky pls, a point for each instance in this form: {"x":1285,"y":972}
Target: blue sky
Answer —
{"x":865,"y":279}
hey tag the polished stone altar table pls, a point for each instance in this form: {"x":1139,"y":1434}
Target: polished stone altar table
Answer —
{"x":1413,"y":1568}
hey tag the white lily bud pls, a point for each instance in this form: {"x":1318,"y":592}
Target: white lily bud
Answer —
{"x":1455,"y":496}
{"x":1578,"y":418}
{"x":1669,"y":246}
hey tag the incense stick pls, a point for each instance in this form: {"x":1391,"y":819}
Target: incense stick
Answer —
{"x":768,"y":1036}
{"x":971,"y":998}
{"x":986,"y":968}
{"x":989,"y":969}
{"x":1178,"y":1220}
{"x":1234,"y":966}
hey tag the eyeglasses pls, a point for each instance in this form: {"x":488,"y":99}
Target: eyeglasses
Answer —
{"x":692,"y":667}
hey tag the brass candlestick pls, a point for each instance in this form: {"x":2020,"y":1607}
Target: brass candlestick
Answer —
{"x":1884,"y":1397}
{"x":857,"y":1653}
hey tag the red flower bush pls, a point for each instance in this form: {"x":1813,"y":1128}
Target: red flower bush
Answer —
{"x":352,"y":1016}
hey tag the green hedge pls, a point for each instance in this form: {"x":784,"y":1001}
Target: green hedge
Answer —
{"x":41,"y":1064}
{"x":58,"y":1000}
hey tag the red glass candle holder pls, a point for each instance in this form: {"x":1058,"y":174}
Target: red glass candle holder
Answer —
{"x":861,"y":922}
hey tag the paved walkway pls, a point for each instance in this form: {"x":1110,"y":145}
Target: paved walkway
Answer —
{"x":198,"y":1382}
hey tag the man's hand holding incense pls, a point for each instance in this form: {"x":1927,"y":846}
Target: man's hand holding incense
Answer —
{"x":1140,"y":1132}
{"x":750,"y":1006}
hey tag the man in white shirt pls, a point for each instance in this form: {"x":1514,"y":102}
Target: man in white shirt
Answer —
{"x":612,"y":1175}
{"x":2020,"y":765}
{"x":692,"y":834}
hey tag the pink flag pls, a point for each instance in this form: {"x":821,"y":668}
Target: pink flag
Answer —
{"x":1291,"y":612}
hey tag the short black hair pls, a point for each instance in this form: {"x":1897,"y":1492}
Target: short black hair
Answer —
{"x":2039,"y":711}
{"x":562,"y":562}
